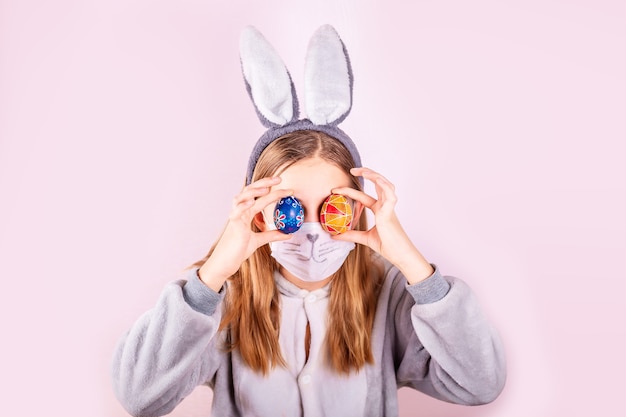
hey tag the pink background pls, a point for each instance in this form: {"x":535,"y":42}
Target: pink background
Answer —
{"x":125,"y":129}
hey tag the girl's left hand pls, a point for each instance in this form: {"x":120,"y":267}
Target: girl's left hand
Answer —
{"x":387,"y":237}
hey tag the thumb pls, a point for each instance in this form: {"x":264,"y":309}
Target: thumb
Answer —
{"x":355,"y":236}
{"x":272,"y":236}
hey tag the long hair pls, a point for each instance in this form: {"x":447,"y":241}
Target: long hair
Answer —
{"x":252,"y":303}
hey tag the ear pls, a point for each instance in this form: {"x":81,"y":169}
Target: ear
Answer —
{"x":267,"y":80}
{"x":327,"y":78}
{"x":259,"y":222}
{"x":357,"y":211}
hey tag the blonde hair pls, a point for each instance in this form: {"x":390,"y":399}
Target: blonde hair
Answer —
{"x":252,"y":303}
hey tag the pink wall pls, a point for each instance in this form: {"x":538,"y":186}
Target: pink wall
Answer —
{"x":125,"y":129}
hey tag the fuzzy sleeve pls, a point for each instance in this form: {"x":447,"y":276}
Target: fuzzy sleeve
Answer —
{"x":444,"y":344}
{"x":169,"y":350}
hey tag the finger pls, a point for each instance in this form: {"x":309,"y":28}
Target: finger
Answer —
{"x":370,"y":175}
{"x":356,"y":236}
{"x":240,"y":209}
{"x":271,"y":197}
{"x":355,"y":194}
{"x":250,"y":194}
{"x":385,"y":190}
{"x":264,"y":182}
{"x":257,"y":189}
{"x":271,"y":236}
{"x":247,"y":209}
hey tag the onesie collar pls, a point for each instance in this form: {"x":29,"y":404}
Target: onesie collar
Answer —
{"x":289,"y":289}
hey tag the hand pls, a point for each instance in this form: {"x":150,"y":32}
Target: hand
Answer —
{"x":239,"y":241}
{"x":387,"y":237}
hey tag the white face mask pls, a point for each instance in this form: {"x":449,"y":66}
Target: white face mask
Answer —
{"x":311,"y":254}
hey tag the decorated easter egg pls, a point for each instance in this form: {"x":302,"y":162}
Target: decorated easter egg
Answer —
{"x":336,"y":214}
{"x":288,"y":215}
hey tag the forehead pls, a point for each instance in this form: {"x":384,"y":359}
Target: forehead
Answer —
{"x":314,"y":177}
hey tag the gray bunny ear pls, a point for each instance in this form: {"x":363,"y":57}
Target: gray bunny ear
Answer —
{"x":267,"y":80}
{"x":327,"y":78}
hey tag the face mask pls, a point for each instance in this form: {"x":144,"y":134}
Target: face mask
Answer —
{"x":311,"y":254}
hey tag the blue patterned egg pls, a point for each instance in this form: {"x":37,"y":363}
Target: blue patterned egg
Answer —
{"x":288,"y":215}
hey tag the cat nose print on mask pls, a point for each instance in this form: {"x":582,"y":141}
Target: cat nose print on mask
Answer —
{"x":335,"y":216}
{"x":311,"y":254}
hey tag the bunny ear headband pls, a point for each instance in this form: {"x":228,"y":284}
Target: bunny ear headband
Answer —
{"x":327,"y":87}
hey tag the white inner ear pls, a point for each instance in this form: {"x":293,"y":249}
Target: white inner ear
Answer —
{"x":267,"y":76}
{"x":326,"y":78}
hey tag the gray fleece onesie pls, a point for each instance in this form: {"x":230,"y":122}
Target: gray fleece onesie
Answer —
{"x":431,"y":336}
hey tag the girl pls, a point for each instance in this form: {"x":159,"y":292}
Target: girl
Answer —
{"x":310,"y":324}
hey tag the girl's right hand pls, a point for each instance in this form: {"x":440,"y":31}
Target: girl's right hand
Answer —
{"x":239,"y":241}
